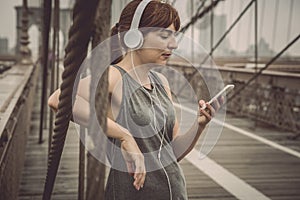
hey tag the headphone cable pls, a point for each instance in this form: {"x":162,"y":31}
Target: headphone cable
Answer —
{"x":155,"y":123}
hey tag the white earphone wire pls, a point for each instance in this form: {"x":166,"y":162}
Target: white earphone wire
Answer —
{"x":155,"y":121}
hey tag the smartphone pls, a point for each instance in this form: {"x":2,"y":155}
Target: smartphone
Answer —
{"x":225,"y":90}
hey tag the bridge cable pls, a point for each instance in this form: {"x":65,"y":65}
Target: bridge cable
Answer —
{"x":198,"y":16}
{"x":185,"y":28}
{"x":262,"y":17}
{"x":250,"y":24}
{"x":255,"y":51}
{"x":46,"y":29}
{"x":75,"y":52}
{"x":262,"y":69}
{"x":217,"y":44}
{"x":211,"y":28}
{"x":52,"y":65}
{"x":290,"y":20}
{"x":200,"y":6}
{"x":57,"y":50}
{"x":275,"y":25}
{"x":239,"y":26}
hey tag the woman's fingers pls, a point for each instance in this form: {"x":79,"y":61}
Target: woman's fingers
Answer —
{"x":204,"y":112}
{"x":210,"y":110}
{"x":139,"y":180}
{"x":207,"y":111}
{"x":140,"y":172}
{"x":135,"y":161}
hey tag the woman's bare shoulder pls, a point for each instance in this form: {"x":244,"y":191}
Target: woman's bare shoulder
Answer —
{"x":114,"y":76}
{"x":165,"y":83}
{"x":163,"y":79}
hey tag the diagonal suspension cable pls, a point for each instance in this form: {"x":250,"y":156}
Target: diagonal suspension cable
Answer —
{"x":185,"y":28}
{"x":197,"y":16}
{"x":202,"y":3}
{"x":227,"y":32}
{"x":255,"y":76}
{"x":218,"y":43}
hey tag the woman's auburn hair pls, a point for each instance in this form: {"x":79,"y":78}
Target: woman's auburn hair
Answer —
{"x":156,"y":15}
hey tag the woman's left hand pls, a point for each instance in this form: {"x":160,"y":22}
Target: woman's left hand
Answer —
{"x":209,"y":111}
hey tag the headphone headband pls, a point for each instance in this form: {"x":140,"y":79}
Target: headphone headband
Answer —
{"x":138,"y":14}
{"x":133,"y":38}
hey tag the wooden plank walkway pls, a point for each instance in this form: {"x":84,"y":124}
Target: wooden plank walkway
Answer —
{"x":270,"y":171}
{"x":273,"y":172}
{"x":34,"y":173}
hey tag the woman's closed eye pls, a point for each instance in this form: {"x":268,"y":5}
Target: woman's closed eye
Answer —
{"x":164,"y":36}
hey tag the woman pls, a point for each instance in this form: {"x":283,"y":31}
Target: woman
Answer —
{"x":141,"y":122}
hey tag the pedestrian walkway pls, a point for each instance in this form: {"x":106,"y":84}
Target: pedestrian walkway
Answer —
{"x":238,"y":167}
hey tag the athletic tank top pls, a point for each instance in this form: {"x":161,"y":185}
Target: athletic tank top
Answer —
{"x":149,"y":115}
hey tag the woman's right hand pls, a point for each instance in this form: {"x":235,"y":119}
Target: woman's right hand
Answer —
{"x":134,"y":160}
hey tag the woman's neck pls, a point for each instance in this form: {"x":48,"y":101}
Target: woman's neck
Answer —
{"x":136,"y":68}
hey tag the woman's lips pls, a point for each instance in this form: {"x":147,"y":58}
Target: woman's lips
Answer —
{"x":166,"y":55}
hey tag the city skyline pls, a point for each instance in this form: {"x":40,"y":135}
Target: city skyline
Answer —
{"x":239,"y":40}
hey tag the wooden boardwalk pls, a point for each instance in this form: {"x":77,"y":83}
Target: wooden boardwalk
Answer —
{"x":261,"y":171}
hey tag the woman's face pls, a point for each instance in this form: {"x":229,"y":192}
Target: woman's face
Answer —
{"x":158,"y":46}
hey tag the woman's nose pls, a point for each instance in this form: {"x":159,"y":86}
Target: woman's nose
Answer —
{"x":173,"y":43}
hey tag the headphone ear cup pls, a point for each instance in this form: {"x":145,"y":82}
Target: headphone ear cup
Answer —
{"x":133,"y":39}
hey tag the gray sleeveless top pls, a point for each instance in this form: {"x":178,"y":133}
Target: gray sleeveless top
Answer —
{"x":149,"y":116}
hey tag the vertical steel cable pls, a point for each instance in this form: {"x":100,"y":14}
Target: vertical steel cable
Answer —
{"x":238,"y":28}
{"x":211,"y":28}
{"x":81,"y":166}
{"x":239,"y":90}
{"x":197,"y":16}
{"x":275,"y":26}
{"x":57,"y":47}
{"x":262,"y":17}
{"x":250,"y":26}
{"x":192,"y":33}
{"x":46,"y":30}
{"x":255,"y":58}
{"x":217,"y":44}
{"x":255,"y":33}
{"x":52,"y":63}
{"x":288,"y":35}
{"x":76,"y":51}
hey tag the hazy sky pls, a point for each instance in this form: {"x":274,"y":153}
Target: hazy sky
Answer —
{"x":273,"y":29}
{"x":8,"y":17}
{"x":238,"y":39}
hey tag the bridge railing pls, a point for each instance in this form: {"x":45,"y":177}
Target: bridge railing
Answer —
{"x":16,"y":99}
{"x":274,"y":98}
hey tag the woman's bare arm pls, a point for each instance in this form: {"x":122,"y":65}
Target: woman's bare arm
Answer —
{"x":131,"y":152}
{"x":184,"y":143}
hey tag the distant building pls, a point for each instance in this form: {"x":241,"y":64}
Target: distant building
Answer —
{"x":3,"y":45}
{"x":263,"y":47}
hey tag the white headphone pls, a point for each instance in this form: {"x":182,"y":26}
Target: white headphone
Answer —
{"x":133,"y":38}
